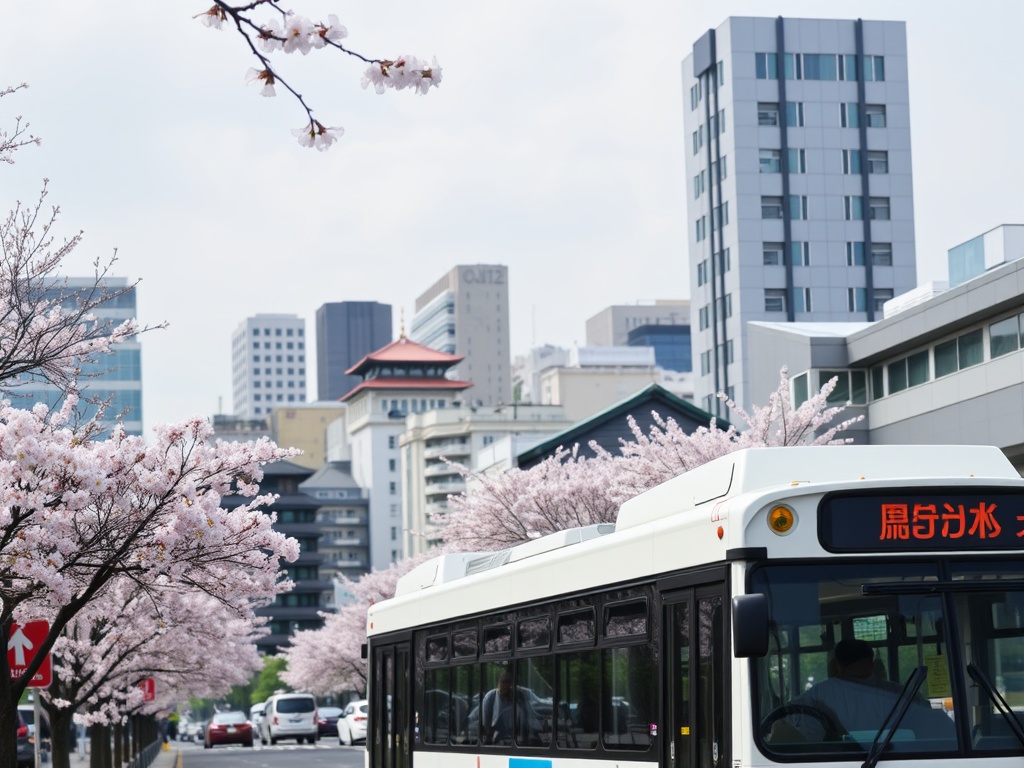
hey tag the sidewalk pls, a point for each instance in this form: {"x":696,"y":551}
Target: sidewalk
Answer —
{"x":164,"y":759}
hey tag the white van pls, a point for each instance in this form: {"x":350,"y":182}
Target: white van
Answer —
{"x":289,"y":716}
{"x":256,"y":713}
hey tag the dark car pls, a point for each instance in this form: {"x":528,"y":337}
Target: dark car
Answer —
{"x":327,"y":720}
{"x":26,"y":745}
{"x":228,"y":728}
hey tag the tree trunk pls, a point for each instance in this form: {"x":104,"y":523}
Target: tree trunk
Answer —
{"x":120,"y":758}
{"x":61,"y":742}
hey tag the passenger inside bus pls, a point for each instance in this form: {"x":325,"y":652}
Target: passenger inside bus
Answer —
{"x":497,"y":714}
{"x":854,"y":703}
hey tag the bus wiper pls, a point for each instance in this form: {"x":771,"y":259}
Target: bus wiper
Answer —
{"x":997,"y":699}
{"x":896,"y":714}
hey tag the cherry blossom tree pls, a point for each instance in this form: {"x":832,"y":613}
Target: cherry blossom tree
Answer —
{"x":329,"y":659}
{"x":268,"y":29}
{"x":17,"y":137}
{"x":565,"y":490}
{"x":189,"y":642}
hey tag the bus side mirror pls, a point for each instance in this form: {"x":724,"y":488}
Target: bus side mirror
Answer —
{"x":750,"y":625}
{"x":364,"y":651}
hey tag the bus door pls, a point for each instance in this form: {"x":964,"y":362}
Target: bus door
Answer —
{"x":389,"y":707}
{"x":696,"y":729}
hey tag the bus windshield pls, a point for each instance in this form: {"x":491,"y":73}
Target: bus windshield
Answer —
{"x":920,"y":657}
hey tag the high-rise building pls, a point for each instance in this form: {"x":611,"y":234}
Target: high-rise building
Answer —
{"x":347,"y":331}
{"x":268,"y":364}
{"x":465,"y":313}
{"x":800,"y":196}
{"x":116,"y":377}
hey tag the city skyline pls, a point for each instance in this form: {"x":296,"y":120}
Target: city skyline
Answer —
{"x":554,"y":145}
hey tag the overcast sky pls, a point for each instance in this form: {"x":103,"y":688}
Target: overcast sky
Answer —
{"x":554,"y":146}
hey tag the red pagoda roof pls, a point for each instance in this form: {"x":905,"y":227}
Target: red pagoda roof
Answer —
{"x":403,"y":351}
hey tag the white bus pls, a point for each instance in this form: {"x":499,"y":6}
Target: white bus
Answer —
{"x":709,"y":626}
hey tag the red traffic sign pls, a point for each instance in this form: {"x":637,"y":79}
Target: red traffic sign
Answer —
{"x":148,"y":686}
{"x":23,"y":643}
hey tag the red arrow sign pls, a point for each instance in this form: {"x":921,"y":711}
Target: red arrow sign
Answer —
{"x":22,"y":645}
{"x":148,"y":686}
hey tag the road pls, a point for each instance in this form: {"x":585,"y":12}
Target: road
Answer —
{"x":326,"y":753}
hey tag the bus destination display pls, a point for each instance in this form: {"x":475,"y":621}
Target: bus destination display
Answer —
{"x":926,"y":520}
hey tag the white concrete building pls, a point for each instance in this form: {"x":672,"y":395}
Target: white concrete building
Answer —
{"x":465,"y":313}
{"x":268,"y":364}
{"x":611,"y":326}
{"x":800,"y":203}
{"x":434,"y":438}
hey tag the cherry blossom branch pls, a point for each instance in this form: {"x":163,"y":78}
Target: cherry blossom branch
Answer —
{"x":18,"y":137}
{"x":288,"y":32}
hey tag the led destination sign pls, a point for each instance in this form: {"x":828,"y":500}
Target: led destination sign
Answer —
{"x":930,"y":519}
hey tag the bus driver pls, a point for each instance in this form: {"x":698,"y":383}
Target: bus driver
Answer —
{"x":856,"y":699}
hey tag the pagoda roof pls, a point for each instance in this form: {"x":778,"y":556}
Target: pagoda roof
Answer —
{"x":419,"y":383}
{"x":403,"y":350}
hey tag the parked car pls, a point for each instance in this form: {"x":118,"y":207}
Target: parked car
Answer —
{"x":289,"y":716}
{"x":256,"y":714}
{"x":26,"y":744}
{"x":352,"y":723}
{"x":327,"y":720}
{"x":228,"y":728}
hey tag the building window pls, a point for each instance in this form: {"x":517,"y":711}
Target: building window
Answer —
{"x":853,"y":207}
{"x":724,"y":260}
{"x":723,"y":305}
{"x":874,"y":68}
{"x":800,"y":254}
{"x":719,"y":170}
{"x":392,"y":488}
{"x":857,"y":299}
{"x":851,"y":161}
{"x":878,"y":161}
{"x":705,"y":363}
{"x":879,"y":208}
{"x":392,"y":464}
{"x":881,"y":296}
{"x":771,"y":207}
{"x":911,"y":371}
{"x":849,"y":115}
{"x":702,"y":272}
{"x":881,"y":254}
{"x":801,"y":299}
{"x":766,"y":66}
{"x":798,"y":207}
{"x":720,"y":216}
{"x":796,"y":161}
{"x":875,"y":115}
{"x":703,"y":318}
{"x":725,"y":352}
{"x":773,"y":254}
{"x":716,"y":124}
{"x":793,"y":66}
{"x":1004,"y":337}
{"x":799,"y":390}
{"x":820,"y":66}
{"x":795,"y":114}
{"x":878,"y":382}
{"x":695,"y":96}
{"x":698,"y":185}
{"x":770,"y":161}
{"x":392,"y":440}
{"x":767,"y":113}
{"x":855,"y":254}
{"x":696,"y":147}
{"x":774,"y":299}
{"x":701,"y":228}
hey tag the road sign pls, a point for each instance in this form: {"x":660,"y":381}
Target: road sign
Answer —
{"x":148,"y":686}
{"x":24,"y":642}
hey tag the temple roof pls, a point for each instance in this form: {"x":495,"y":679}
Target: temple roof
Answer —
{"x":403,"y":350}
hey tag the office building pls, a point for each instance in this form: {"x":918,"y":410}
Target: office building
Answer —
{"x":800,"y":200}
{"x":465,"y":313}
{"x":942,"y":366}
{"x":612,"y":325}
{"x":117,"y":376}
{"x":347,"y":331}
{"x":399,"y":379}
{"x":268,"y":364}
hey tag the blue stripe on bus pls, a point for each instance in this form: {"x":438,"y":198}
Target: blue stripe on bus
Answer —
{"x":528,"y":762}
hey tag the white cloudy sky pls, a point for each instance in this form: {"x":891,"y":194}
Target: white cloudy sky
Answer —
{"x":554,"y":146}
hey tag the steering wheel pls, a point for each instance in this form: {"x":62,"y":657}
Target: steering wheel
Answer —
{"x":833,"y":730}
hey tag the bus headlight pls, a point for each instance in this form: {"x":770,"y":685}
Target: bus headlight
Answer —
{"x":781,"y":520}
